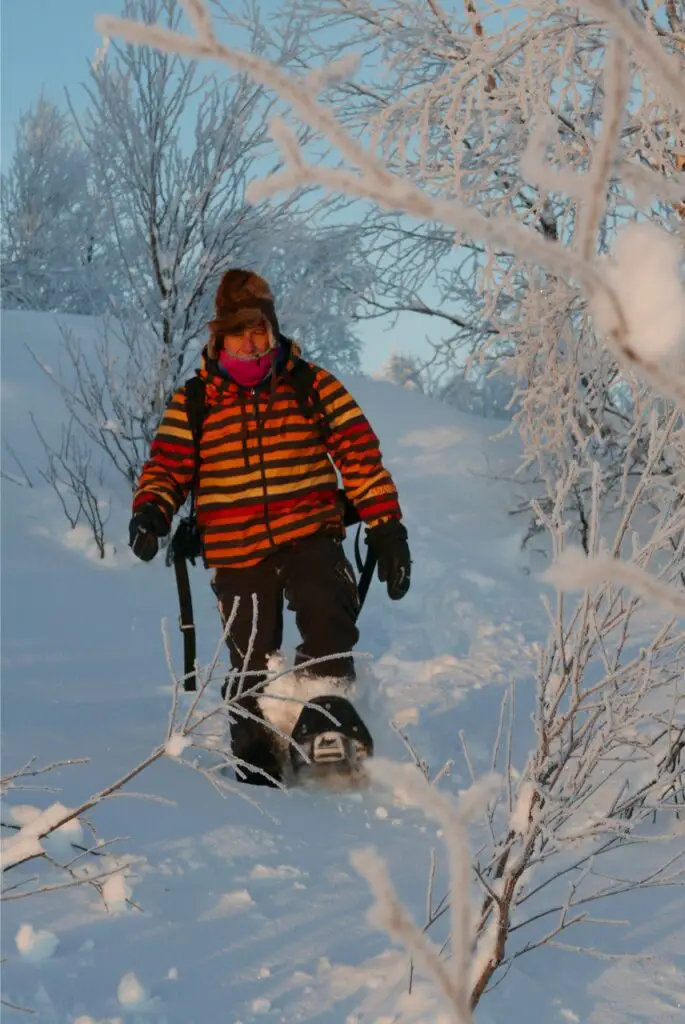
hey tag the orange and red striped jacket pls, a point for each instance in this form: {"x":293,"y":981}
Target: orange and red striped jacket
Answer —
{"x":265,"y":475}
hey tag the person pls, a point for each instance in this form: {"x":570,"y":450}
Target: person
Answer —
{"x":267,"y":503}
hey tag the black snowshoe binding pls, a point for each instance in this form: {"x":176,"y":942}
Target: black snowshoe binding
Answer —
{"x":335,"y":741}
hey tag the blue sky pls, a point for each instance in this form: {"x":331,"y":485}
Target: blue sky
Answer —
{"x":46,"y":45}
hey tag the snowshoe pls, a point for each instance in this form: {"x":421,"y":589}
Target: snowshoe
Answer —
{"x":330,"y":749}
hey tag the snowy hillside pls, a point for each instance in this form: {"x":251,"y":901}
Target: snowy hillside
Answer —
{"x":240,"y":911}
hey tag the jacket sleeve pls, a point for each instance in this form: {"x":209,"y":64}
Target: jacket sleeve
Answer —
{"x":355,"y":450}
{"x":167,"y":475}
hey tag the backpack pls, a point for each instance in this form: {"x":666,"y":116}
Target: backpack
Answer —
{"x":186,"y":543}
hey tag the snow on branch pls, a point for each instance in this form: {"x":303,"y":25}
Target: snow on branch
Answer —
{"x":616,"y":90}
{"x":573,"y":570}
{"x":199,"y":17}
{"x":646,"y":321}
{"x":389,"y":914}
{"x":662,"y":66}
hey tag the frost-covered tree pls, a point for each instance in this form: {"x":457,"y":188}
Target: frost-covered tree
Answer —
{"x":475,"y":387}
{"x":52,"y":247}
{"x":545,"y":140}
{"x":473,"y":107}
{"x":403,"y":370}
{"x":172,"y":150}
{"x":320,"y":274}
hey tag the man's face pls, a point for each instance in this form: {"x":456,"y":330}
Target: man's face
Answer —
{"x":250,"y":342}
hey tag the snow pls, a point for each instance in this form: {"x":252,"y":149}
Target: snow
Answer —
{"x":252,"y":910}
{"x":18,"y":848}
{"x":282,"y":871}
{"x":22,"y":814}
{"x":34,"y":822}
{"x":85,"y":1019}
{"x":283,"y":697}
{"x":644,"y":274}
{"x":116,"y":892}
{"x":35,"y":946}
{"x":229,"y":903}
{"x":43,"y":821}
{"x":521,"y":813}
{"x":177,"y":743}
{"x":130,"y":992}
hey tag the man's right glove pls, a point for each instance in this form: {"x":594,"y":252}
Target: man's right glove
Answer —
{"x":146,"y":527}
{"x":389,"y":543}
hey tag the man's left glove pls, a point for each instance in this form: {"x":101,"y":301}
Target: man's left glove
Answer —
{"x":388,"y":541}
{"x":146,"y":527}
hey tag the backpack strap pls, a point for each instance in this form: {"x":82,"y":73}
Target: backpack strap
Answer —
{"x":194,"y":390}
{"x":302,"y":377}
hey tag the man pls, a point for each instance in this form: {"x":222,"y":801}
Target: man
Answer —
{"x":266,"y":499}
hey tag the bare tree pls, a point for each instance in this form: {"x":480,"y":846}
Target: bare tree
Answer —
{"x":77,"y":484}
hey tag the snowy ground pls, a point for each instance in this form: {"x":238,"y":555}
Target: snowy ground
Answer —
{"x":236,"y":912}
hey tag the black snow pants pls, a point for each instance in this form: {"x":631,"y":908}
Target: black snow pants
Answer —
{"x":315,"y":579}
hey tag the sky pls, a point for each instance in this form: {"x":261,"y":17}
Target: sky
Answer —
{"x":47,"y":44}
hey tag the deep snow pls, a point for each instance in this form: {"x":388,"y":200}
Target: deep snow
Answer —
{"x":232,"y":912}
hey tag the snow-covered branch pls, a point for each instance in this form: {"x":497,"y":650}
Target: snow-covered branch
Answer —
{"x":573,"y":570}
{"x":456,"y":981}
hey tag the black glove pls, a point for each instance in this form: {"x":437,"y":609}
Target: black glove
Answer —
{"x":185,"y":543}
{"x":389,"y":543}
{"x":146,"y":527}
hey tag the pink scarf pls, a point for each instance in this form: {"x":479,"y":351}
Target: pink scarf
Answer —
{"x":245,"y":372}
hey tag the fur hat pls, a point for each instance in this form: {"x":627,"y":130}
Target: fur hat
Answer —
{"x":243,"y":298}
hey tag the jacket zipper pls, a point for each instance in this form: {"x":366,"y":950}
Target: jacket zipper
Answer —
{"x":262,"y":467}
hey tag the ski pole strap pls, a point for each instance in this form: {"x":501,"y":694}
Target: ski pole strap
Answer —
{"x":365,"y":567}
{"x":186,"y":623}
{"x":366,"y":577}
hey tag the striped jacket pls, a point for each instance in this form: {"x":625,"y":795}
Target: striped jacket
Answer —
{"x":266,"y":475}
